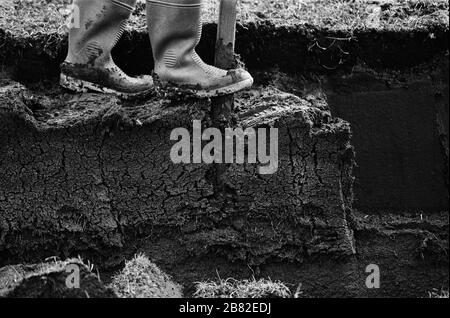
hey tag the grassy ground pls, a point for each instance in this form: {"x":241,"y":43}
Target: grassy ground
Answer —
{"x":30,"y":17}
{"x":231,"y":288}
{"x":140,"y":278}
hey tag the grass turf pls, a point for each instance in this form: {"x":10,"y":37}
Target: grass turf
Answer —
{"x":231,"y":288}
{"x":142,"y":279}
{"x":26,"y":18}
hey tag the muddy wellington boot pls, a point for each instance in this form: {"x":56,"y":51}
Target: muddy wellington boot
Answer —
{"x":175,"y":29}
{"x":89,"y":65}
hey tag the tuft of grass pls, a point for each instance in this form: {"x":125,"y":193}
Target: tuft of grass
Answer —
{"x":142,"y":279}
{"x":436,"y":293}
{"x":232,"y":288}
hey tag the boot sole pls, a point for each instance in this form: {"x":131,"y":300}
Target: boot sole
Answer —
{"x":81,"y":86}
{"x":226,"y":90}
{"x":173,"y":90}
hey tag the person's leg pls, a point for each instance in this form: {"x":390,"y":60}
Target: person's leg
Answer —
{"x":175,"y":30}
{"x":89,"y":65}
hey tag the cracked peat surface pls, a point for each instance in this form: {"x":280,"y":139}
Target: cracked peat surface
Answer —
{"x":363,"y":159}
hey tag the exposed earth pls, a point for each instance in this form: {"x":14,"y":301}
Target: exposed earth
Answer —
{"x":359,"y":92}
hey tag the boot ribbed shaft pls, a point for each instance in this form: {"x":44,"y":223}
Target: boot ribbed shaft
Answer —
{"x":102,"y":23}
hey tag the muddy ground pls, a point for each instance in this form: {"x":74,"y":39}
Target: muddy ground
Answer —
{"x":364,"y":159}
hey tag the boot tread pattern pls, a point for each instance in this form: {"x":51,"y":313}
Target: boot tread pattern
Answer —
{"x":170,"y":59}
{"x":92,"y":50}
{"x":120,"y":32}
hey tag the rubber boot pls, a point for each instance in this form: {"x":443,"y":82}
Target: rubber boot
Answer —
{"x":175,"y":30}
{"x":89,"y":65}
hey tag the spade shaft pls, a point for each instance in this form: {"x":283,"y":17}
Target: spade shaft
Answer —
{"x":222,"y":107}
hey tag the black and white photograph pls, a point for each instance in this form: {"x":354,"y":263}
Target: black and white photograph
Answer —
{"x":221,"y":157}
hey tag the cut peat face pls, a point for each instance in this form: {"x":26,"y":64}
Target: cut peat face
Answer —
{"x":98,"y":174}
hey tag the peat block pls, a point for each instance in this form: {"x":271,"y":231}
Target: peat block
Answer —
{"x":93,"y":173}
